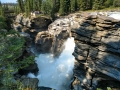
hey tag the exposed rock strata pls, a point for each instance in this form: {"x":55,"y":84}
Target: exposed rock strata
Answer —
{"x":31,"y":25}
{"x":52,"y":41}
{"x":97,"y":48}
{"x":97,"y":51}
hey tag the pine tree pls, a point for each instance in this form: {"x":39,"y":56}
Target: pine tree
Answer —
{"x":21,"y":5}
{"x":72,"y":5}
{"x":62,"y":9}
{"x":82,"y":5}
{"x":27,"y":8}
{"x":48,"y":7}
{"x":31,"y":5}
{"x":56,"y":5}
{"x":97,"y":4}
{"x":88,"y":4}
{"x":34,"y":5}
{"x":67,"y":6}
{"x":1,"y":10}
{"x":116,"y":3}
{"x":109,"y":3}
{"x":39,"y":4}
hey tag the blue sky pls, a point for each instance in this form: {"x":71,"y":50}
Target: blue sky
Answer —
{"x":4,"y":1}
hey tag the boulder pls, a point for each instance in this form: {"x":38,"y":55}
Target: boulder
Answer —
{"x":44,"y":42}
{"x":19,"y":18}
{"x":40,"y":22}
{"x":53,"y":39}
{"x":29,"y":83}
{"x":18,"y":27}
{"x":31,"y":25}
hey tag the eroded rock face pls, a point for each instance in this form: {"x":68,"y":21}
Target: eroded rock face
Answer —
{"x":44,"y":42}
{"x":52,"y":41}
{"x":31,"y":25}
{"x":97,"y":48}
{"x":97,"y":51}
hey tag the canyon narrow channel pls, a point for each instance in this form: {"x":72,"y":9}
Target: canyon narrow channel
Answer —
{"x":56,"y":73}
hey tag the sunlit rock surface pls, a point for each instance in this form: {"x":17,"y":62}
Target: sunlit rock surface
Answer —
{"x":52,"y":40}
{"x":96,"y":52}
{"x":31,"y":25}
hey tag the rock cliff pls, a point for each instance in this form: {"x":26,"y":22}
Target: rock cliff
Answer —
{"x":97,"y":48}
{"x":31,"y":25}
{"x":97,"y":51}
{"x":52,"y":40}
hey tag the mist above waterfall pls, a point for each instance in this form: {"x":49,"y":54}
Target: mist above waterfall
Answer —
{"x":56,"y":72}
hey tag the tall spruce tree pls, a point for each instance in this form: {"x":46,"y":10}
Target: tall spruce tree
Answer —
{"x":48,"y":7}
{"x":34,"y":5}
{"x":116,"y":3}
{"x":31,"y":5}
{"x":88,"y":4}
{"x":27,"y":8}
{"x":1,"y":10}
{"x":82,"y":5}
{"x":56,"y":5}
{"x":21,"y":5}
{"x":97,"y":4}
{"x":67,"y":4}
{"x":62,"y":7}
{"x":72,"y":5}
{"x":39,"y":4}
{"x":109,"y":3}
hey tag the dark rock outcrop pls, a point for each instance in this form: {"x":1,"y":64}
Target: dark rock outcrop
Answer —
{"x":97,"y":48}
{"x":31,"y":25}
{"x":32,"y":68}
{"x":52,"y":41}
{"x":44,"y":42}
{"x":97,"y":51}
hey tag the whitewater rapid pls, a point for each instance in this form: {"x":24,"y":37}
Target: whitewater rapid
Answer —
{"x":115,"y":15}
{"x":56,"y":73}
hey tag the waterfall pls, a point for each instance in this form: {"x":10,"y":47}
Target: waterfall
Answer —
{"x":56,"y":72}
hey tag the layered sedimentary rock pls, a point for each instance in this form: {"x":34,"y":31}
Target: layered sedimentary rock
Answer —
{"x":97,"y":51}
{"x":31,"y":25}
{"x":97,"y":48}
{"x":52,"y":40}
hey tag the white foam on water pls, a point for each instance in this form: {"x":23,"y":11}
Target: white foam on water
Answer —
{"x":115,"y":15}
{"x":56,"y":73}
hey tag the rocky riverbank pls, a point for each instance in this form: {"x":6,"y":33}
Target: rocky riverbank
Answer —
{"x":97,"y":47}
{"x":97,"y":51}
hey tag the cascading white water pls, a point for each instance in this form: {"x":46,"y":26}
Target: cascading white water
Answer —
{"x":56,"y":72}
{"x":115,"y":15}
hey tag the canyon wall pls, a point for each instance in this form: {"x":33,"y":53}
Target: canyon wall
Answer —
{"x":97,"y":49}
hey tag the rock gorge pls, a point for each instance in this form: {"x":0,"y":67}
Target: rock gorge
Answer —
{"x":97,"y":47}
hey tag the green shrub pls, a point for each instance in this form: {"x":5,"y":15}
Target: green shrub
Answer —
{"x":11,"y":48}
{"x":3,"y":24}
